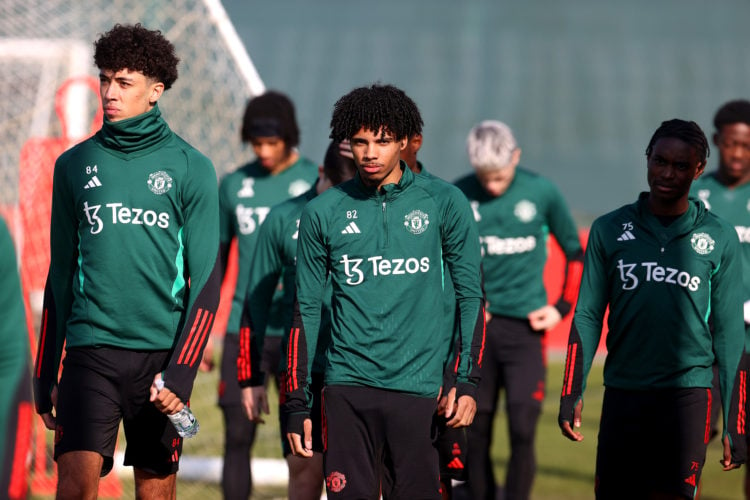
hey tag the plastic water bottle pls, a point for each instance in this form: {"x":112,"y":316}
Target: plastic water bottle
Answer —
{"x":184,"y":420}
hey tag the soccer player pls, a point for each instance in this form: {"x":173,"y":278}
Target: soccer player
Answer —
{"x":383,"y":239}
{"x":276,"y":256}
{"x":15,"y":376}
{"x":662,"y":265}
{"x":133,"y":283}
{"x":726,"y":192}
{"x":516,"y":211}
{"x":246,"y":196}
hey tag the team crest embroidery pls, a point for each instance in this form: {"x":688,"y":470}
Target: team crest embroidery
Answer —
{"x":246,"y":191}
{"x":159,"y":182}
{"x":416,"y":221}
{"x":335,"y":482}
{"x":702,"y":243}
{"x":298,"y":187}
{"x":525,"y":211}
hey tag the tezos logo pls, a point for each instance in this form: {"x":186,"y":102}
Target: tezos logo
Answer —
{"x":525,"y":211}
{"x":629,"y":275}
{"x":123,"y":215}
{"x":416,"y":221}
{"x":702,"y":243}
{"x":159,"y":182}
{"x":382,"y":267}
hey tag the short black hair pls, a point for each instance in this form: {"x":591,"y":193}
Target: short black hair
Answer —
{"x":687,"y":131}
{"x":374,"y":108}
{"x":136,"y":48}
{"x":270,"y":114}
{"x":737,"y":111}
{"x":337,"y":166}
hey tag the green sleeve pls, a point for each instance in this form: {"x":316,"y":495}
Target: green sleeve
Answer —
{"x":264,"y":275}
{"x":200,"y":240}
{"x":14,"y":356}
{"x":58,"y":292}
{"x":461,"y":253}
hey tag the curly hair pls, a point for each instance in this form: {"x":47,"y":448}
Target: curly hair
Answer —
{"x":732,"y":112}
{"x":374,"y":108}
{"x":137,"y":49}
{"x":687,"y":131}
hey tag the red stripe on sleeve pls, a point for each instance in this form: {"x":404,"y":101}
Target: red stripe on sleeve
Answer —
{"x":205,"y":328}
{"x":294,"y":359}
{"x":569,"y":369}
{"x":188,"y":342}
{"x":484,"y":336}
{"x":741,"y":415}
{"x":41,"y":344}
{"x":707,"y":433}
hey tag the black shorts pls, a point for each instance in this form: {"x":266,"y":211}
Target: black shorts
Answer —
{"x":652,"y":441}
{"x":514,"y":361}
{"x":101,"y":386}
{"x":316,"y":414}
{"x":373,"y":432}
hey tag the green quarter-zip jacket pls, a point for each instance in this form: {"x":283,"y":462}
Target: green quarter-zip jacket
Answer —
{"x":246,"y":197}
{"x":733,"y":205}
{"x":513,"y":230}
{"x":385,"y":253}
{"x":134,"y":250}
{"x":661,"y":283}
{"x":276,"y":256}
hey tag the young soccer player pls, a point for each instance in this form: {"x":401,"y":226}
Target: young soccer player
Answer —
{"x":134,"y":280}
{"x":516,"y":211}
{"x":276,"y":256}
{"x":382,"y":239}
{"x":726,"y":192}
{"x":662,"y":265}
{"x":246,"y":196}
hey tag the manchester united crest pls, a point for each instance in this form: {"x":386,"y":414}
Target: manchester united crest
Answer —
{"x":416,"y":221}
{"x":159,"y":182}
{"x":702,"y":243}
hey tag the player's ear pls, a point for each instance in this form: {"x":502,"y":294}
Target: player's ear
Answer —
{"x":157,"y":89}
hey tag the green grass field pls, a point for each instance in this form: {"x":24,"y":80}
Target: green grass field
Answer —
{"x":565,"y":469}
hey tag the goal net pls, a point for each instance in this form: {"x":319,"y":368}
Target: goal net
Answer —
{"x":49,"y":101}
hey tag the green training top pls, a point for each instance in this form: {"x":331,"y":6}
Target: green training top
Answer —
{"x":385,"y":252}
{"x":246,"y":197}
{"x":660,"y":283}
{"x":14,"y":355}
{"x":276,"y":256}
{"x":733,"y":205}
{"x":513,"y":229}
{"x":134,"y":239}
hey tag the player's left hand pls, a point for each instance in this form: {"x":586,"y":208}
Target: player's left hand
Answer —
{"x":255,"y":403}
{"x":544,"y":318}
{"x":726,"y":462}
{"x":165,"y":400}
{"x":461,"y":412}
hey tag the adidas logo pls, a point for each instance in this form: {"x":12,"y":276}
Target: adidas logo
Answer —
{"x":351,"y":228}
{"x":455,"y":464}
{"x":92,"y":183}
{"x":626,"y":236}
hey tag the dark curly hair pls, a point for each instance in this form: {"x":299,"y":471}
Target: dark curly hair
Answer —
{"x":687,"y":131}
{"x":137,"y":49}
{"x":374,"y":108}
{"x":732,"y":112}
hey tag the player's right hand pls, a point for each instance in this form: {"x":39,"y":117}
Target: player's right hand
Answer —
{"x":295,"y":441}
{"x":49,"y":418}
{"x":570,"y":432}
{"x":255,"y":403}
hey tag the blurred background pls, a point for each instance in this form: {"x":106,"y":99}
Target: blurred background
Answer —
{"x":583,"y":83}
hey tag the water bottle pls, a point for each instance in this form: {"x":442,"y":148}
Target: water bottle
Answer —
{"x":184,"y":420}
